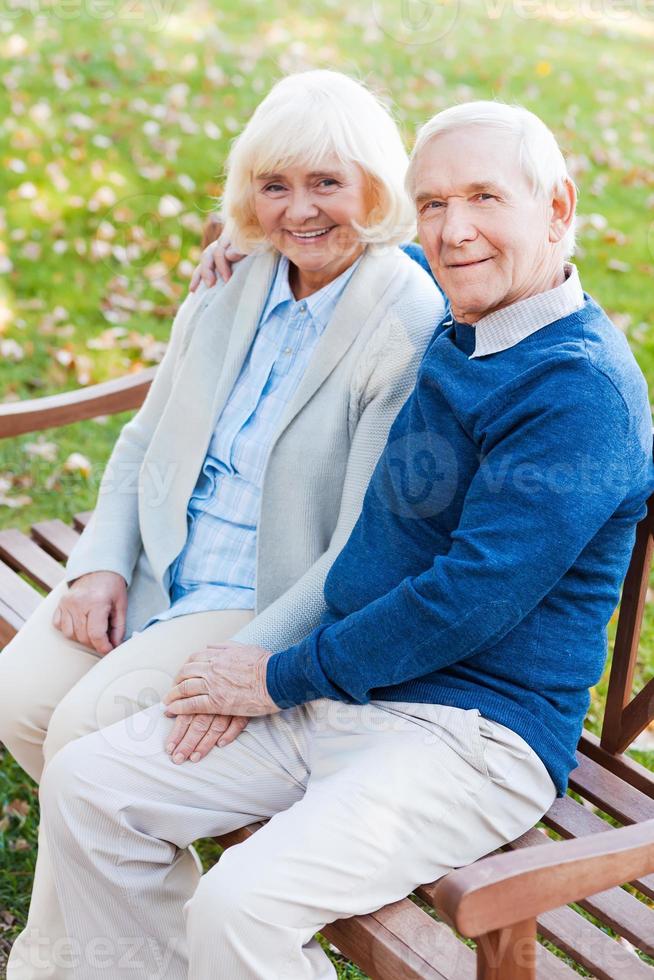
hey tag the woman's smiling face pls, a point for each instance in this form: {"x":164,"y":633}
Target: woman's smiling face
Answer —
{"x":306,"y":212}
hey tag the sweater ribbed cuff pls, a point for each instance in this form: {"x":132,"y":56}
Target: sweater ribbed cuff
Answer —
{"x":289,"y":677}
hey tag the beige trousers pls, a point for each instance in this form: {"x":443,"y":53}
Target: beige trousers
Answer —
{"x":52,"y":691}
{"x":365,"y":801}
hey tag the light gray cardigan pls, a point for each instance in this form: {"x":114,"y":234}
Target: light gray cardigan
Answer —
{"x":323,"y":455}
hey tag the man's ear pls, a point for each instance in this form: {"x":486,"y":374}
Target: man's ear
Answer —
{"x":562,"y":211}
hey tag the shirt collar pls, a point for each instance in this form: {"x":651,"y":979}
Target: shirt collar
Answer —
{"x":507,"y":327}
{"x":320,"y":305}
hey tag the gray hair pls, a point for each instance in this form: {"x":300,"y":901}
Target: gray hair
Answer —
{"x":539,"y":154}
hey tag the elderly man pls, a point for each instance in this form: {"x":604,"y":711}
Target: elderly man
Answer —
{"x":434,"y":714}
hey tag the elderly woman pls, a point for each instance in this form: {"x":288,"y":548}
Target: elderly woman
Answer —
{"x":232,"y":490}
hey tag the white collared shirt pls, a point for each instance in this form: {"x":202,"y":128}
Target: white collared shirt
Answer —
{"x":507,"y":327}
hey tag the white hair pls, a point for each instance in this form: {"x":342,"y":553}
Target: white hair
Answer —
{"x":305,"y":118}
{"x":539,"y":154}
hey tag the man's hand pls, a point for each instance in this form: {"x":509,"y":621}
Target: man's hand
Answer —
{"x":194,"y":736}
{"x":93,"y":611}
{"x":223,"y":679}
{"x":217,"y":259}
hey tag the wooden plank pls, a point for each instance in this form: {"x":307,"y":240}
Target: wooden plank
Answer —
{"x":629,"y":770}
{"x":636,"y":717}
{"x":571,"y":819}
{"x":17,"y":596}
{"x":55,"y":537}
{"x":401,"y":942}
{"x":616,"y":908}
{"x":604,"y":957}
{"x":625,"y":651}
{"x":608,"y":792}
{"x":105,"y":398}
{"x":551,"y":967}
{"x":81,"y":520}
{"x":10,"y":623}
{"x":24,"y":555}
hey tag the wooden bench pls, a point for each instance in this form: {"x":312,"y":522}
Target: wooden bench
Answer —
{"x":503,"y":901}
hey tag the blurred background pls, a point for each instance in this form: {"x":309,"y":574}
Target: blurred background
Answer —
{"x":115,"y":123}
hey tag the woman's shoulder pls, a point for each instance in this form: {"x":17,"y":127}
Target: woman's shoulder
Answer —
{"x":418,"y":301}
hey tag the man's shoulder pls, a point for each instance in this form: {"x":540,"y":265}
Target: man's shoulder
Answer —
{"x":606,"y":354}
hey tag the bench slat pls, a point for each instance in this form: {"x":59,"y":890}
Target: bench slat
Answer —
{"x":10,"y":623}
{"x":24,"y":555}
{"x":81,"y":520}
{"x":552,"y":967}
{"x":17,"y":595}
{"x":571,"y":819}
{"x":628,"y":769}
{"x":604,"y":957}
{"x":608,"y":792}
{"x":55,"y":537}
{"x":616,"y":908}
{"x":401,"y":942}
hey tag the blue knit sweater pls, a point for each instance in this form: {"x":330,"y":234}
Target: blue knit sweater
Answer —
{"x":493,"y":538}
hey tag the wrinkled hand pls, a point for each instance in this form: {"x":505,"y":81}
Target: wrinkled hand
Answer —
{"x":193,"y":736}
{"x":93,"y":611}
{"x":223,"y":679}
{"x":217,"y":258}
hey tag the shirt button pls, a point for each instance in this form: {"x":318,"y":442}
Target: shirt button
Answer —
{"x":303,"y":308}
{"x":288,"y":350}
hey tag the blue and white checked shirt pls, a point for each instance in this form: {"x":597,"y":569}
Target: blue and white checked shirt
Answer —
{"x":216,"y":569}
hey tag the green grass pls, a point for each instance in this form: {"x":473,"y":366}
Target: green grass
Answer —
{"x":103,"y":117}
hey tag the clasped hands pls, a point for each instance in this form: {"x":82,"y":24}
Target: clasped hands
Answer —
{"x":215,"y":694}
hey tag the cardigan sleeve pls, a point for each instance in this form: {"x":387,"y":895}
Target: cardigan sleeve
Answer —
{"x":111,"y":541}
{"x":389,"y":365}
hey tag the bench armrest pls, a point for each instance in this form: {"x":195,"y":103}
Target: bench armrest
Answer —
{"x":508,"y":888}
{"x":51,"y":411}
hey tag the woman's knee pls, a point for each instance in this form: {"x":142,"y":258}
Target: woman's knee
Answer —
{"x":24,"y":712}
{"x":72,"y":718}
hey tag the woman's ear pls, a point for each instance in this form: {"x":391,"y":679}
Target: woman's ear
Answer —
{"x":562,"y":211}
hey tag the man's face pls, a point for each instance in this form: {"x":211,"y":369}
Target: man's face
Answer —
{"x":485,"y":234}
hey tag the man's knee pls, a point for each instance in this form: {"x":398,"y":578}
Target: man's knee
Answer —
{"x":64,"y":786}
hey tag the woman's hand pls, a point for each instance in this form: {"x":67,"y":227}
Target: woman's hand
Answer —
{"x":217,"y":258}
{"x":193,"y":736}
{"x":93,"y":611}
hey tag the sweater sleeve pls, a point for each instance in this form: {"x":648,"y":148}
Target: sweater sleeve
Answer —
{"x":383,"y":382}
{"x":111,"y":541}
{"x":549,"y":481}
